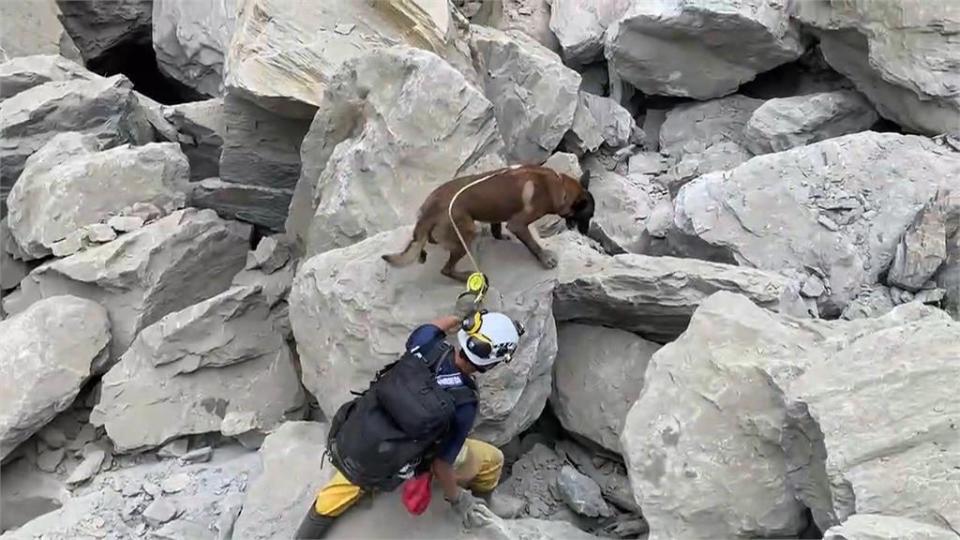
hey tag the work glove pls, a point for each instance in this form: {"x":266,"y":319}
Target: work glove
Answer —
{"x":472,"y":511}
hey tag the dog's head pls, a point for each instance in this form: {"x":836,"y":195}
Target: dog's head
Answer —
{"x":581,"y":212}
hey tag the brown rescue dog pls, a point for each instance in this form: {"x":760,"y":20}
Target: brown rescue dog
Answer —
{"x":516,"y":195}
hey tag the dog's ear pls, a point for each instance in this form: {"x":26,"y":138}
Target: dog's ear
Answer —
{"x":585,"y":180}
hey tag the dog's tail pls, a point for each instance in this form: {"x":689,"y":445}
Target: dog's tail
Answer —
{"x":414,"y":250}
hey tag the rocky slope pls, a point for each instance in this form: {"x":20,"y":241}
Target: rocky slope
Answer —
{"x":758,"y":337}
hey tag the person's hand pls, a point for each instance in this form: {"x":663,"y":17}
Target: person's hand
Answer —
{"x":472,"y":511}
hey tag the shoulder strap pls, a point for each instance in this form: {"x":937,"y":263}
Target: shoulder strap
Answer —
{"x":433,"y":355}
{"x":462,"y":395}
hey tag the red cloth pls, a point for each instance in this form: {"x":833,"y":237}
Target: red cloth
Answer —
{"x":416,"y":493}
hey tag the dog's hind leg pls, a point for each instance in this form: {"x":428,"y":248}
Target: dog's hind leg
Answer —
{"x":521,"y":228}
{"x":496,"y":229}
{"x":414,"y":250}
{"x":447,"y":237}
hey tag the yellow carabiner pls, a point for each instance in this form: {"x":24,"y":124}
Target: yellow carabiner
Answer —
{"x":477,"y":285}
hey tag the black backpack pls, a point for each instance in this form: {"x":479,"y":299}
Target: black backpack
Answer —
{"x":390,"y":431}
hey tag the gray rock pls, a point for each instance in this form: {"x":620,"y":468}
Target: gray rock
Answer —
{"x":258,"y":205}
{"x":609,"y":473}
{"x":259,"y":147}
{"x":61,"y":192}
{"x":599,"y":120}
{"x":655,"y":296}
{"x":53,"y":436}
{"x":200,"y":129}
{"x":69,"y":245}
{"x":871,"y":209}
{"x":930,"y":296}
{"x":195,"y":369}
{"x":23,"y":73}
{"x":277,"y":498}
{"x":565,"y":163}
{"x":371,"y":158}
{"x":12,"y":270}
{"x":87,"y":468}
{"x":581,"y":493}
{"x":692,"y":128}
{"x":647,"y":163}
{"x":174,"y":448}
{"x":653,"y":120}
{"x":877,"y":527}
{"x":899,"y":56}
{"x":283,"y":57}
{"x":663,"y":47}
{"x":100,"y":232}
{"x":32,"y":28}
{"x":191,"y":39}
{"x":104,"y":107}
{"x":270,"y":255}
{"x":532,"y":17}
{"x":125,"y":223}
{"x":534,"y":95}
{"x":948,"y":277}
{"x":167,"y":265}
{"x":332,"y":289}
{"x":46,"y":355}
{"x":736,"y":401}
{"x":199,"y":455}
{"x":49,"y":459}
{"x":159,"y":512}
{"x":97,"y":27}
{"x":784,"y":123}
{"x":533,"y":479}
{"x":175,"y":483}
{"x":623,"y":205}
{"x":593,"y":357}
{"x":922,"y":249}
{"x":580,"y":24}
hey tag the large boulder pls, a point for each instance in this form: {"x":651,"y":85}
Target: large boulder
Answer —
{"x":394,"y":124}
{"x":948,"y":277}
{"x":922,"y":250}
{"x":532,"y":17}
{"x":25,"y":72}
{"x":191,"y":39}
{"x":699,"y":48}
{"x":104,"y":107}
{"x":534,"y":94}
{"x":259,"y":205}
{"x":200,"y":127}
{"x":784,"y":123}
{"x":47,"y":353}
{"x":282,"y":56}
{"x":623,"y":204}
{"x":352,"y":298}
{"x":655,"y":296}
{"x":218,"y":365}
{"x":592,"y":357}
{"x":901,"y":56}
{"x":279,"y":496}
{"x":600,"y":120}
{"x":259,"y":147}
{"x":165,"y":266}
{"x":31,"y":27}
{"x":68,"y":184}
{"x":580,"y":25}
{"x":877,"y":527}
{"x":12,"y":269}
{"x":692,"y":128}
{"x":723,"y":441}
{"x":98,"y":27}
{"x":788,"y":211}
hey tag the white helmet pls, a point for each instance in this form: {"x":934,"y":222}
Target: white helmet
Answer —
{"x":487,"y":338}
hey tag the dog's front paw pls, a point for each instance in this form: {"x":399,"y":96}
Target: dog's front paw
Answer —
{"x":548,"y":259}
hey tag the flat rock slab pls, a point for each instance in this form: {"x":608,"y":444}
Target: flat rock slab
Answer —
{"x":352,"y":296}
{"x":877,"y":527}
{"x":165,"y":266}
{"x":213,"y":366}
{"x":47,"y":353}
{"x":655,"y":296}
{"x":25,"y":72}
{"x":191,"y":38}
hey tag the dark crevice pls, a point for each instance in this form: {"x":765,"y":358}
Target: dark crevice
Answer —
{"x":811,"y":531}
{"x":136,"y":60}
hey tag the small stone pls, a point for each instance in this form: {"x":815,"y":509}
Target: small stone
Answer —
{"x":200,"y":455}
{"x":69,"y":245}
{"x":269,"y":256}
{"x":174,"y":449}
{"x":647,"y":163}
{"x":175,"y":483}
{"x":624,"y":153}
{"x":100,"y":232}
{"x":48,"y":460}
{"x":131,"y":489}
{"x":930,"y":296}
{"x":159,"y":512}
{"x":581,"y":493}
{"x":828,"y":223}
{"x":125,"y":223}
{"x":564,"y":163}
{"x":53,"y":437}
{"x":86,"y":434}
{"x":344,"y":29}
{"x":813,"y":287}
{"x":146,"y":211}
{"x":87,"y":468}
{"x":152,"y":489}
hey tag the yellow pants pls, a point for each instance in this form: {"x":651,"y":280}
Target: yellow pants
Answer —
{"x":478,"y":467}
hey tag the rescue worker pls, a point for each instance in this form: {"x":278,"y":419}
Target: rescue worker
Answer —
{"x":460,"y":462}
